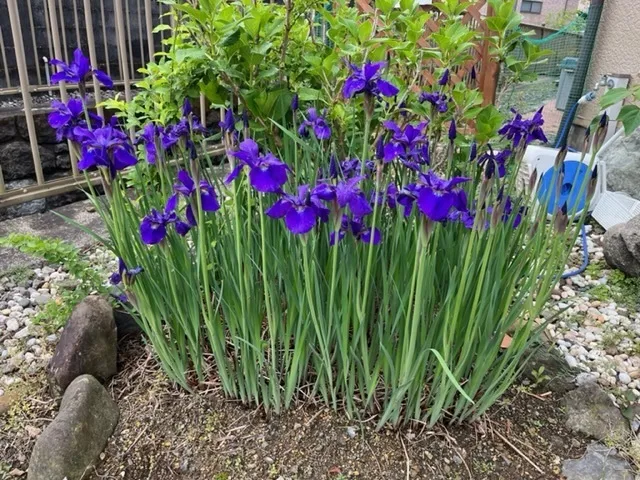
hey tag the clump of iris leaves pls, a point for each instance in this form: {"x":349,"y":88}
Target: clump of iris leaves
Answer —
{"x":403,"y":277}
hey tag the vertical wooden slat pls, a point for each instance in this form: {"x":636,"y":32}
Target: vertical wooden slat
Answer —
{"x":65,"y":50}
{"x":4,"y":60}
{"x":203,"y":109}
{"x":140,"y":36}
{"x":122,"y":50}
{"x":76,"y":21}
{"x":57,"y":51}
{"x":104,"y":37}
{"x":490,"y":70}
{"x":2,"y":187}
{"x":16,"y":31}
{"x":129,"y":39}
{"x":48,"y":30}
{"x":149,"y":21}
{"x":88,"y":20}
{"x":33,"y":41}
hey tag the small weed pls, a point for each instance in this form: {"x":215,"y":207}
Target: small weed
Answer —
{"x":595,"y":269}
{"x":611,"y":339}
{"x":623,"y":290}
{"x":483,"y":466}
{"x":19,"y":274}
{"x":221,"y":476}
{"x":539,"y":376}
{"x":626,"y":290}
{"x":56,"y":312}
{"x":602,"y":293}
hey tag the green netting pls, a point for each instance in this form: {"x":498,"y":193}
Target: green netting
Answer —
{"x":564,"y":47}
{"x":563,"y":43}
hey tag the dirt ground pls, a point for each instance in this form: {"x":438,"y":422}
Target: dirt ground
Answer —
{"x":167,"y":433}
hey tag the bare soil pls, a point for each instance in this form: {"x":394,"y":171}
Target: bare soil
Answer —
{"x":166,"y":433}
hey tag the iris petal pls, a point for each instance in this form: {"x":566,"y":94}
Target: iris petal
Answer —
{"x":300,"y":220}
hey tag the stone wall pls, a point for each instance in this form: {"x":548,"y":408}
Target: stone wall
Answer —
{"x":17,"y":165}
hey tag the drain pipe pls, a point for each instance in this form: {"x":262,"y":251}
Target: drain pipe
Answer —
{"x":588,"y":42}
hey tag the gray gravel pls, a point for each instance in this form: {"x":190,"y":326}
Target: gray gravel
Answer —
{"x":26,"y":348}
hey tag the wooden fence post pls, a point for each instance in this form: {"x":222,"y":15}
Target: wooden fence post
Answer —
{"x":490,"y":72}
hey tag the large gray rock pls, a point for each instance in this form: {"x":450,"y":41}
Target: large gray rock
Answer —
{"x":17,"y":161}
{"x":76,"y":437}
{"x":621,"y":246}
{"x":88,"y":344}
{"x":623,"y":165}
{"x":590,"y":411}
{"x":598,"y":463}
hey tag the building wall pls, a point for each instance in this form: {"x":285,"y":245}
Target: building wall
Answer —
{"x":549,"y":8}
{"x":617,"y":49}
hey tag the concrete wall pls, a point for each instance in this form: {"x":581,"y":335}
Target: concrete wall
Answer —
{"x":549,"y":8}
{"x":617,"y":49}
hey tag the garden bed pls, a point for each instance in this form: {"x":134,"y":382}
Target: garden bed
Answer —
{"x":165,"y":432}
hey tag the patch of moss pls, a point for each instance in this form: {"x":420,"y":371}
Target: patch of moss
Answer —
{"x":601,"y":293}
{"x":623,"y":290}
{"x":595,"y":269}
{"x":626,"y":290}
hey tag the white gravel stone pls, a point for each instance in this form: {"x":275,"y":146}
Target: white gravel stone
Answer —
{"x":624,"y":378}
{"x":24,"y":333}
{"x":13,"y":325}
{"x":571,"y":361}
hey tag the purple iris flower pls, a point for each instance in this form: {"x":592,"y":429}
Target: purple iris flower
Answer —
{"x":390,"y":194}
{"x":473,"y":151}
{"x":295,"y":102}
{"x":438,"y":195}
{"x":509,"y":213}
{"x":407,"y":143}
{"x":359,"y":230}
{"x":189,"y":124}
{"x":228,"y":123}
{"x":437,"y":99}
{"x":148,"y":137}
{"x":66,"y":117}
{"x":318,"y":122}
{"x":346,"y":193}
{"x":124,"y":275}
{"x":153,"y":228}
{"x":106,"y":147}
{"x":444,"y":79}
{"x":300,"y":211}
{"x":434,"y":195}
{"x":187,"y":187}
{"x":267,"y":174}
{"x":78,"y":71}
{"x":465,"y":217}
{"x":182,"y":228}
{"x":453,"y":133}
{"x":187,"y":109}
{"x":347,"y":168}
{"x":520,"y":129}
{"x":367,"y":79}
{"x":495,"y":163}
